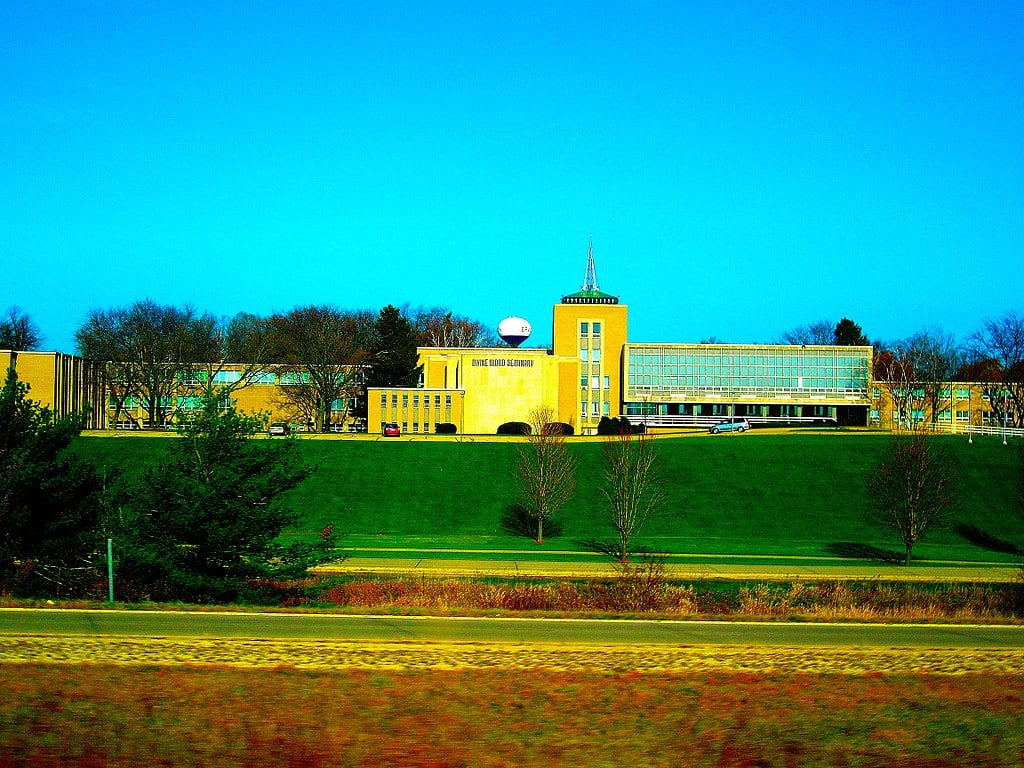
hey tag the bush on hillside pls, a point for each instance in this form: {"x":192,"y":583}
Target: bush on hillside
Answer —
{"x":618,"y":426}
{"x":514,"y":428}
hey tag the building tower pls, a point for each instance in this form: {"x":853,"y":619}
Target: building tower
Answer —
{"x":591,"y":326}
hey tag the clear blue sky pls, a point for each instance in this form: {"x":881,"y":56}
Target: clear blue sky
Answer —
{"x":743,"y":167}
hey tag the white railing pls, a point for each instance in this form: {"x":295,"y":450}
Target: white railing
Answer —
{"x":974,"y":429}
{"x":665,"y":421}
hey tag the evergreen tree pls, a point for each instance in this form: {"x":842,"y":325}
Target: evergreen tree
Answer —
{"x":204,"y":525}
{"x":849,"y":334}
{"x":50,"y":499}
{"x":395,"y":361}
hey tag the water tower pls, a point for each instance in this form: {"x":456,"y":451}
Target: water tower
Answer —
{"x":514,"y":331}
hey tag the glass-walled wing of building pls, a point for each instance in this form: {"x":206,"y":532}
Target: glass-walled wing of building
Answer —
{"x":670,"y":385}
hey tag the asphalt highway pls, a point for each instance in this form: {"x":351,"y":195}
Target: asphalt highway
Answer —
{"x":430,"y":629}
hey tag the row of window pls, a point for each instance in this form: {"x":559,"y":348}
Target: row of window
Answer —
{"x":728,"y":409}
{"x":718,"y":357}
{"x":590,"y":329}
{"x":694,"y":370}
{"x":415,"y":400}
{"x":420,"y":411}
{"x":596,"y":409}
{"x":918,"y":393}
{"x":183,"y":403}
{"x":747,"y":384}
{"x":918,"y":414}
{"x":191,"y":403}
{"x":284,"y":378}
{"x":596,"y":382}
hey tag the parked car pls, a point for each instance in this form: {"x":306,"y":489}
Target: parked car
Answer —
{"x":392,"y":430}
{"x":730,"y":425}
{"x":279,"y":428}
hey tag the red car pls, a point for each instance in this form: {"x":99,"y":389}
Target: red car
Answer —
{"x":392,"y":430}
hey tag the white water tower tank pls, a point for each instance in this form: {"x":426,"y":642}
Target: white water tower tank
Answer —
{"x":514,"y":330}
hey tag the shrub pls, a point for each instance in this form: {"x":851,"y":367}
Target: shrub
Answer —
{"x":558,"y":428}
{"x":614,"y":426}
{"x":514,"y":428}
{"x":642,"y":588}
{"x":619,"y":425}
{"x":445,"y":428}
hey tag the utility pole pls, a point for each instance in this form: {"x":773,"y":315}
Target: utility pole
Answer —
{"x":110,"y":568}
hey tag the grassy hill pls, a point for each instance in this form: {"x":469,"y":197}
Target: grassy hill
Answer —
{"x":762,"y":494}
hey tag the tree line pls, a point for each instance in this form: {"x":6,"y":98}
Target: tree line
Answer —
{"x":916,"y":371}
{"x":327,"y":355}
{"x":330,"y":354}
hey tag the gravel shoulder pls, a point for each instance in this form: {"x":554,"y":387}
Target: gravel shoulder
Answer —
{"x":652,"y":659}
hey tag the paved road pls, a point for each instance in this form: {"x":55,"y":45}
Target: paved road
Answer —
{"x":491,"y":630}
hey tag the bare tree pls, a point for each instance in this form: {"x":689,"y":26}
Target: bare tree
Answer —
{"x":820,"y":332}
{"x":916,"y":372}
{"x":151,"y":351}
{"x":1002,"y":340}
{"x":633,"y":487}
{"x":937,"y":359}
{"x":914,"y":487}
{"x":545,"y":469}
{"x":18,"y":333}
{"x":894,"y":372}
{"x":240,"y":350}
{"x":320,"y":354}
{"x":440,"y":327}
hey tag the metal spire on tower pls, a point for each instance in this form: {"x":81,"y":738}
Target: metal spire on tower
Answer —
{"x":590,"y":293}
{"x":590,"y":279}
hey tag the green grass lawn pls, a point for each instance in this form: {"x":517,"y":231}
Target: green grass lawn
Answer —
{"x":753,"y":494}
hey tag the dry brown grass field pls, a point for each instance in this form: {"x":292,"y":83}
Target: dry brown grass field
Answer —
{"x":727,"y":712}
{"x":134,"y":701}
